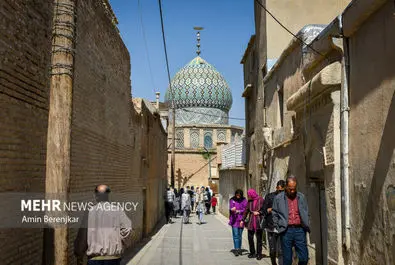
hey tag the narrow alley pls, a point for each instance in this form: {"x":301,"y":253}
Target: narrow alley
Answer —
{"x":188,"y":244}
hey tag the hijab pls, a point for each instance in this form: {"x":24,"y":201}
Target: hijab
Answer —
{"x":241,"y":196}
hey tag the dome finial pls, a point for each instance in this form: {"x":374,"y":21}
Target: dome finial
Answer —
{"x":198,"y":39}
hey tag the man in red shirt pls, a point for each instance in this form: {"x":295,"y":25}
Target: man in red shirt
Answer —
{"x":291,"y":219}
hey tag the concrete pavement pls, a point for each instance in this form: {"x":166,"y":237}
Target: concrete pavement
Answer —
{"x":209,"y":244}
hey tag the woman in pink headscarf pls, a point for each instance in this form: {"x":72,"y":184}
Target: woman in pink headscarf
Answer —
{"x":252,"y":221}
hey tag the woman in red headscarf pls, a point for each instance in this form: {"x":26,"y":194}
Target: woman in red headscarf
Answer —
{"x":252,"y":221}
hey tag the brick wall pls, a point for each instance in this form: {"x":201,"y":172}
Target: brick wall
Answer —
{"x":25,"y":45}
{"x":113,"y":141}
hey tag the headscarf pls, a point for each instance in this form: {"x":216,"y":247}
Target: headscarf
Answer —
{"x":253,"y":194}
{"x":234,"y":198}
{"x":254,"y":197}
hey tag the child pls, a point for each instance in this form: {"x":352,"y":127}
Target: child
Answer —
{"x":214,"y":202}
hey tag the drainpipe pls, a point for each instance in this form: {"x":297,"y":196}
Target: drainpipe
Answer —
{"x":344,"y":134}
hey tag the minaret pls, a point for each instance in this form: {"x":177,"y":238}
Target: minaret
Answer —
{"x":198,"y":39}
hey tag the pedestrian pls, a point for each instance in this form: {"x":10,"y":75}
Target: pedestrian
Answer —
{"x":214,"y":202}
{"x":237,"y":207}
{"x":169,"y":204}
{"x":176,"y":203}
{"x":291,"y":219}
{"x":200,"y":208}
{"x":273,"y":236}
{"x":105,"y":232}
{"x":252,"y":220}
{"x":186,"y":206}
{"x":192,"y":198}
{"x":207,"y":200}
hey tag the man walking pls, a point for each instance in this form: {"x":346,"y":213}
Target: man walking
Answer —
{"x":273,"y":236}
{"x":186,"y":206}
{"x":291,"y":219}
{"x":169,"y":200}
{"x":105,"y":232}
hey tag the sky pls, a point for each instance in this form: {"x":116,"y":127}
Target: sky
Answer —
{"x":228,"y":26}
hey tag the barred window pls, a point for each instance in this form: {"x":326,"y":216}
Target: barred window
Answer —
{"x":180,"y":138}
{"x":208,"y":140}
{"x":194,"y":139}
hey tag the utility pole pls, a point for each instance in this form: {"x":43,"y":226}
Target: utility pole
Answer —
{"x":59,"y":119}
{"x":173,"y":142}
{"x":209,"y":165}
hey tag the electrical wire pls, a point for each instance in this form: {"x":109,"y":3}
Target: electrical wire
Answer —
{"x":146,"y":46}
{"x":284,"y":27}
{"x":166,"y":57}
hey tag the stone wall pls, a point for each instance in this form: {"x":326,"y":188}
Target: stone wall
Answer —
{"x":229,"y":181}
{"x":372,"y":128}
{"x":25,"y":45}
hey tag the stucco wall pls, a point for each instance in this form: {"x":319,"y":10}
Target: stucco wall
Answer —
{"x":372,"y":130}
{"x":229,"y":181}
{"x":294,"y":15}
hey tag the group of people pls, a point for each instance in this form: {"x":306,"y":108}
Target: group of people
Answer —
{"x":282,"y":213}
{"x":187,"y":200}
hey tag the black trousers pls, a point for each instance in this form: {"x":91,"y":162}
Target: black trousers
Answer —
{"x":208,"y":205}
{"x":258,"y":234}
{"x":274,"y":246}
{"x":168,"y":210}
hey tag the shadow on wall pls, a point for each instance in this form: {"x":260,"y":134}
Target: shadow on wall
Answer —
{"x":382,"y":167}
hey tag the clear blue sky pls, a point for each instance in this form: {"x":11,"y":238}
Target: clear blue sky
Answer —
{"x":228,"y":26}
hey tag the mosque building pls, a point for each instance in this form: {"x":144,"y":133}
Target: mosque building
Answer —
{"x":202,"y":100}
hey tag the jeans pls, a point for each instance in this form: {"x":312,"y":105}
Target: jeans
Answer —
{"x":213,"y":208}
{"x":294,"y":237}
{"x":259,"y":234}
{"x":105,"y":262}
{"x":186,"y":216}
{"x":275,"y":247}
{"x":201,"y":217}
{"x":237,"y":237}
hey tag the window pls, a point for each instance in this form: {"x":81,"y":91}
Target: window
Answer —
{"x":180,"y":138}
{"x":208,"y":140}
{"x":194,"y":139}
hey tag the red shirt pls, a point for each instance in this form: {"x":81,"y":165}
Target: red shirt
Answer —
{"x":214,"y":201}
{"x":293,"y":212}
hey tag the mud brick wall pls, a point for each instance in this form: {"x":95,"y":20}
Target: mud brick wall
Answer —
{"x":25,"y":45}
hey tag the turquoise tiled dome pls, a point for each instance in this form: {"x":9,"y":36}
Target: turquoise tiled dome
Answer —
{"x":199,"y":85}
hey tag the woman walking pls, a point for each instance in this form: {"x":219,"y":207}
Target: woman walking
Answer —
{"x":200,"y":209}
{"x":237,"y":207}
{"x":252,"y":220}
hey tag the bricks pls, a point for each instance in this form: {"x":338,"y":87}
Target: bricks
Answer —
{"x":112,"y":142}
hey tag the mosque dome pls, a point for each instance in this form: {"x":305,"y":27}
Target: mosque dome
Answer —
{"x":200,"y":93}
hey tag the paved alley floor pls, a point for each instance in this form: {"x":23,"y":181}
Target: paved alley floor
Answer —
{"x":209,"y":244}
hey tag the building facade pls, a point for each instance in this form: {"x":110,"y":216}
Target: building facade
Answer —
{"x":202,"y":101}
{"x":327,"y":106}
